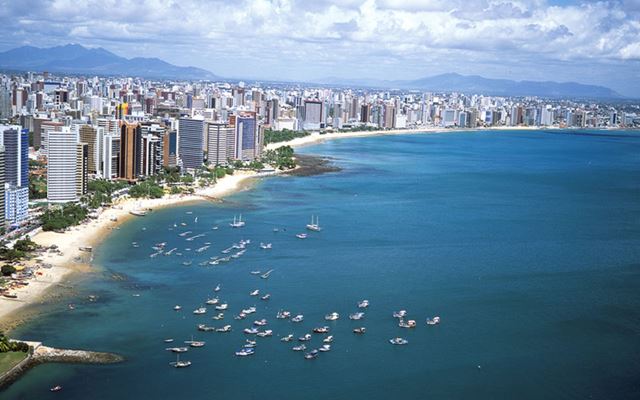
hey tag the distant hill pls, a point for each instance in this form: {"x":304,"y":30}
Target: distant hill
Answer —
{"x":76,"y":59}
{"x":476,"y":84}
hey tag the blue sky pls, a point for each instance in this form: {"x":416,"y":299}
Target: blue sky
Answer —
{"x":595,"y":42}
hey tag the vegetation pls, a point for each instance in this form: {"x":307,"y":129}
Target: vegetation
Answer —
{"x":7,"y":270}
{"x":271,"y":136}
{"x":61,"y":217}
{"x":37,"y":187}
{"x":21,"y":249}
{"x":146,"y":189}
{"x":10,"y":359}
{"x":359,"y":128}
{"x":281,"y":158}
{"x":6,"y":345}
{"x":101,"y":191}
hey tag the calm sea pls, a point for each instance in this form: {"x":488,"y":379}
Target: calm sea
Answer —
{"x":526,"y":244}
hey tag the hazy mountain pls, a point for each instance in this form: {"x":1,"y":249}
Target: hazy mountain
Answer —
{"x":476,"y":84}
{"x":75,"y":59}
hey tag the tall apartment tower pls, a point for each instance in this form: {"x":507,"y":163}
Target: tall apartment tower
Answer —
{"x":62,"y":166}
{"x":92,"y":136}
{"x":130,"y":158}
{"x":82,"y":169}
{"x":2,"y":186}
{"x":246,"y":138}
{"x":220,"y":143}
{"x":16,"y":148}
{"x":191,"y":138}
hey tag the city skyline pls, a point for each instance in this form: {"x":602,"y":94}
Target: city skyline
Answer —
{"x":591,"y":43}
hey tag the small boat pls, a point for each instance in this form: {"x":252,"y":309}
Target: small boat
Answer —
{"x":297,"y":318}
{"x":363,"y":304}
{"x":250,"y":343}
{"x":10,"y":295}
{"x":434,"y":321}
{"x":283,"y":314}
{"x":170,"y":340}
{"x":245,"y":351}
{"x":87,"y":249}
{"x":195,"y":220}
{"x":204,"y":328}
{"x":56,"y":388}
{"x":197,"y":344}
{"x":332,"y":317}
{"x":360,"y":330}
{"x":324,"y":329}
{"x":255,"y":272}
{"x":222,"y":307}
{"x":276,"y":230}
{"x":240,"y":316}
{"x":356,"y":316}
{"x":265,"y":333}
{"x":250,"y":331}
{"x":177,"y":308}
{"x":305,"y":338}
{"x":408,"y":324}
{"x":113,"y":219}
{"x":138,"y":213}
{"x":301,"y":235}
{"x":254,"y":293}
{"x":398,"y":341}
{"x":266,"y":274}
{"x":328,"y":339}
{"x":265,"y":297}
{"x":224,"y":329}
{"x":177,"y":349}
{"x":399,"y":314}
{"x":287,"y":338}
{"x":249,"y":310}
{"x":180,"y":364}
{"x":200,"y":311}
{"x":218,"y":317}
{"x":265,"y":246}
{"x":261,"y":322}
{"x":183,"y":234}
{"x":311,"y":355}
{"x":215,"y":228}
{"x":187,"y":263}
{"x":301,"y":347}
{"x":217,"y":288}
{"x":237,"y":223}
{"x":213,"y":301}
{"x":325,"y":347}
{"x":314,"y":225}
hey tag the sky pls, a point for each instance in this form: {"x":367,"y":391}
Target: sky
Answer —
{"x":595,"y":42}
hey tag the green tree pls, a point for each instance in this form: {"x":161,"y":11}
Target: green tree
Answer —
{"x":7,"y":270}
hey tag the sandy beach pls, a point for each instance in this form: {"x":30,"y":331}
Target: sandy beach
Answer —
{"x":71,"y":259}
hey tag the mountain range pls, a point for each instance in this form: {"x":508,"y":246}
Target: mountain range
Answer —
{"x":76,"y":59}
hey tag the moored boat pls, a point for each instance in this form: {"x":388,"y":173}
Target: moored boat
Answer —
{"x":398,"y":341}
{"x":332,"y":317}
{"x":360,"y":330}
{"x":434,"y":321}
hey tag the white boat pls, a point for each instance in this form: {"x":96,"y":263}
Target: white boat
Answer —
{"x":301,"y":347}
{"x":138,"y":213}
{"x":398,"y":341}
{"x":224,"y":329}
{"x":325,"y":347}
{"x":328,"y":339}
{"x":217,"y":288}
{"x":322,"y":329}
{"x":363,"y":304}
{"x":222,"y":307}
{"x":255,"y":272}
{"x":249,"y":310}
{"x":254,"y":293}
{"x":245,"y":351}
{"x":261,"y":322}
{"x":297,"y":318}
{"x":433,"y":321}
{"x":177,"y":308}
{"x":361,"y":330}
{"x":407,"y":324}
{"x":180,"y":364}
{"x":168,"y":340}
{"x":399,"y":314}
{"x":283,"y":314}
{"x":332,"y":317}
{"x":200,"y":311}
{"x":356,"y":316}
{"x":301,"y":235}
{"x":314,"y":225}
{"x":218,"y":317}
{"x":266,"y":333}
{"x":266,"y":274}
{"x":250,"y":331}
{"x":265,"y":246}
{"x":197,"y":344}
{"x":237,"y":223}
{"x":250,"y":343}
{"x":311,"y":355}
{"x":305,"y":338}
{"x":177,"y":349}
{"x":265,"y":297}
{"x":287,"y":338}
{"x":213,"y":301}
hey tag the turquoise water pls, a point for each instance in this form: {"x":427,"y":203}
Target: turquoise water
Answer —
{"x":526,"y":244}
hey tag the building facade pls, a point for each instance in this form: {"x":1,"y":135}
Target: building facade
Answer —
{"x":62,"y":166}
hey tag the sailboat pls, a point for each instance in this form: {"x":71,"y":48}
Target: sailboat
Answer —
{"x":314,"y":225}
{"x":237,"y":223}
{"x":180,"y":364}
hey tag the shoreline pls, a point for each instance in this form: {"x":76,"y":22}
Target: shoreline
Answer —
{"x":71,"y":259}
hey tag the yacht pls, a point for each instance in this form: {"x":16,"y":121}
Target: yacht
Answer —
{"x":177,"y":308}
{"x":168,"y":340}
{"x":325,"y":347}
{"x":314,"y":225}
{"x":265,"y":333}
{"x":332,"y":317}
{"x":222,"y":307}
{"x":356,"y":316}
{"x":283,"y":314}
{"x":311,"y":355}
{"x":360,"y":330}
{"x":398,"y":341}
{"x":200,"y":311}
{"x":434,"y":321}
{"x":363,"y":304}
{"x":180,"y":364}
{"x":177,"y":349}
{"x":301,"y":347}
{"x":305,"y":338}
{"x":224,"y":329}
{"x":237,"y":223}
{"x":265,"y":246}
{"x":328,"y":339}
{"x":297,"y":318}
{"x":197,"y":344}
{"x":245,"y":351}
{"x":301,"y":235}
{"x":287,"y":338}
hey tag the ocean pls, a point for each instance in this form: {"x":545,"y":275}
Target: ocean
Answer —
{"x":525,"y":243}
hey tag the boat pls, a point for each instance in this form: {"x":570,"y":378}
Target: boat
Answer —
{"x":245,"y":351}
{"x":433,"y":321}
{"x":204,"y":328}
{"x":250,"y":331}
{"x":177,"y":308}
{"x":254,"y":293}
{"x":187,"y":263}
{"x":180,"y":364}
{"x":250,"y":343}
{"x":363,"y":304}
{"x":215,"y":228}
{"x":283,"y":314}
{"x":305,"y":338}
{"x":87,"y":249}
{"x":213,"y":301}
{"x":197,"y":344}
{"x":324,"y":329}
{"x":177,"y":349}
{"x":218,"y":317}
{"x":261,"y":322}
{"x":265,"y":297}
{"x":56,"y":388}
{"x":222,"y":307}
{"x":168,"y":340}
{"x":265,"y":333}
{"x":301,"y":347}
{"x":328,"y":339}
{"x":217,"y":288}
{"x":398,"y":341}
{"x":311,"y":355}
{"x":183,"y":234}
{"x":356,"y":316}
{"x":360,"y":330}
{"x":314,"y":225}
{"x":195,"y":220}
{"x":138,"y":213}
{"x":297,"y":318}
{"x":237,"y":223}
{"x":408,"y":324}
{"x":224,"y":329}
{"x":200,"y":311}
{"x":10,"y":295}
{"x":399,"y":314}
{"x":265,"y":246}
{"x":249,"y":310}
{"x":255,"y":272}
{"x":325,"y":347}
{"x":266,"y":274}
{"x":301,"y":235}
{"x":287,"y":338}
{"x":113,"y":219}
{"x":332,"y":317}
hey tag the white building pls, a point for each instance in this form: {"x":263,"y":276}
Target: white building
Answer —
{"x":61,"y":167}
{"x":16,"y":204}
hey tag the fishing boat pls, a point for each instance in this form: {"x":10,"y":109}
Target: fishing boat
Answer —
{"x":204,"y":328}
{"x":360,"y":330}
{"x":180,"y":364}
{"x":433,"y":321}
{"x":398,"y":341}
{"x":311,"y":355}
{"x":200,"y":311}
{"x":237,"y":223}
{"x":177,"y":349}
{"x":287,"y":338}
{"x":314,"y":225}
{"x":265,"y":333}
{"x":213,"y":301}
{"x":222,"y":307}
{"x":138,"y":213}
{"x":224,"y":329}
{"x":56,"y":388}
{"x":301,"y":347}
{"x":356,"y":316}
{"x":328,"y":339}
{"x":283,"y":314}
{"x":408,"y":324}
{"x":332,"y":317}
{"x":250,"y":331}
{"x":254,"y":293}
{"x":265,"y":297}
{"x":323,"y":329}
{"x":265,"y":246}
{"x":325,"y":347}
{"x":363,"y":304}
{"x":218,"y":317}
{"x":297,"y":318}
{"x":305,"y":338}
{"x":177,"y":308}
{"x":261,"y":322}
{"x":399,"y":314}
{"x":301,"y":235}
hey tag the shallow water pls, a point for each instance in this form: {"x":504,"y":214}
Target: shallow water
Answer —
{"x":527,"y":244}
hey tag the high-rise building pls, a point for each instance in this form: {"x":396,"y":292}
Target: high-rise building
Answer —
{"x":220,"y":143}
{"x":246,"y":138}
{"x":92,"y":136}
{"x":389,"y":116}
{"x":191,"y":138}
{"x":62,"y":166}
{"x":365,"y":113}
{"x":16,"y":204}
{"x":2,"y":186}
{"x":110,"y":156}
{"x":313,"y":115}
{"x":130,"y":157}
{"x":170,"y":148}
{"x":46,"y":128}
{"x":16,"y":148}
{"x":82,"y":169}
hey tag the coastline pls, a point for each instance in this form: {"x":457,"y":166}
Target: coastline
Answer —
{"x":71,"y":259}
